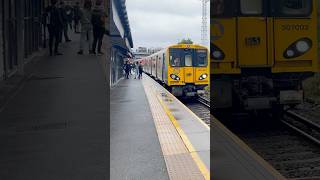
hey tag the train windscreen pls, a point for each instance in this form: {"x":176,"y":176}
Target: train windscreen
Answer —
{"x":188,"y":57}
{"x":287,"y":8}
{"x":202,"y":57}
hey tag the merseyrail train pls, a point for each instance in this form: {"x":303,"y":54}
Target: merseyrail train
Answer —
{"x":183,"y":68}
{"x":261,"y":51}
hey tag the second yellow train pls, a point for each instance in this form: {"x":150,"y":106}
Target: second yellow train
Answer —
{"x":261,"y":51}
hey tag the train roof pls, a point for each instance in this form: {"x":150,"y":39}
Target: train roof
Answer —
{"x":187,"y":46}
{"x":177,"y":46}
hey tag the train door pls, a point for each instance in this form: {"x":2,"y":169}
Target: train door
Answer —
{"x":188,"y":57}
{"x":156,"y":67}
{"x":252,"y":33}
{"x":163,"y":66}
{"x":159,"y":67}
{"x":10,"y":34}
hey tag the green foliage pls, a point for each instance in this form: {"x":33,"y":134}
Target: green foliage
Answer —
{"x":186,"y":41}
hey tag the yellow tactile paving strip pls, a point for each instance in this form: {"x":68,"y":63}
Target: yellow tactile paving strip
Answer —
{"x":179,"y":161}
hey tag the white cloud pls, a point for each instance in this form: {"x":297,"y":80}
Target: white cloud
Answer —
{"x":158,"y":23}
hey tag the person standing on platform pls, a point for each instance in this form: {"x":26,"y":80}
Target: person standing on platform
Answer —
{"x":69,"y":13}
{"x":54,"y":24}
{"x":76,"y":17}
{"x":130,"y":68}
{"x":127,"y":69}
{"x":86,"y":27}
{"x":64,"y":17}
{"x":136,"y":69}
{"x":98,"y":22}
{"x":140,"y":70}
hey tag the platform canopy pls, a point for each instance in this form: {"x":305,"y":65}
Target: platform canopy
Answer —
{"x":120,"y":33}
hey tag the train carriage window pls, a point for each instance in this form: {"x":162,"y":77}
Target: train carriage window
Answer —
{"x":287,"y":8}
{"x":251,"y":7}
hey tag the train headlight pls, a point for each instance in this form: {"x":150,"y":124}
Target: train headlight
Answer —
{"x":290,"y":53}
{"x":302,"y":46}
{"x":175,"y":77}
{"x":217,"y":53}
{"x":203,"y":76}
{"x":298,"y":48}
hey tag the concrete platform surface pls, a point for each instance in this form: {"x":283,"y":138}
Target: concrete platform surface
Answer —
{"x":135,"y":151}
{"x":55,"y":127}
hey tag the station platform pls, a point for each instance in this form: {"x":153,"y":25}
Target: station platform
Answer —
{"x":154,"y":136}
{"x":232,"y":159}
{"x":54,"y":125}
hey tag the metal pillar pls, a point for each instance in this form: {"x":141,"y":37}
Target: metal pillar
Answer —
{"x":204,"y":27}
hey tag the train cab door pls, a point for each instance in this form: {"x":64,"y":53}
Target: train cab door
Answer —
{"x":188,"y":57}
{"x":163,"y":67}
{"x":252,"y":33}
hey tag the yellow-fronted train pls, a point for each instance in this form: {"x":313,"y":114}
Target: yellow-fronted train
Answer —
{"x":183,"y":68}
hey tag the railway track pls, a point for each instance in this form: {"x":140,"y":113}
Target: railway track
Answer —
{"x":291,"y":145}
{"x":204,"y":101}
{"x":280,"y":144}
{"x":303,"y":126}
{"x":201,"y":107}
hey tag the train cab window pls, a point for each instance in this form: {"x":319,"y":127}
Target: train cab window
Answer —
{"x":175,"y":57}
{"x":176,"y":62}
{"x":202,"y":58}
{"x":251,"y":7}
{"x":293,"y":7}
{"x":222,"y":8}
{"x":188,"y":60}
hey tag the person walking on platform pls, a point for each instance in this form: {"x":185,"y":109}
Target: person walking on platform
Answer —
{"x":76,"y":17}
{"x":64,"y":17}
{"x":53,"y":22}
{"x":86,"y":27}
{"x":136,"y":69}
{"x":140,"y":70}
{"x":98,"y":22}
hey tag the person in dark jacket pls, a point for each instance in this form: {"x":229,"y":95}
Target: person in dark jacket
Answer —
{"x":98,"y":23}
{"x":69,"y":13}
{"x":54,"y":24}
{"x":127,"y":69}
{"x":86,"y":27}
{"x":140,"y":70}
{"x":76,"y":17}
{"x":64,"y":17}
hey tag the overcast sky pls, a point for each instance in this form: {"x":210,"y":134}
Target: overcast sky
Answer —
{"x":158,"y":23}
